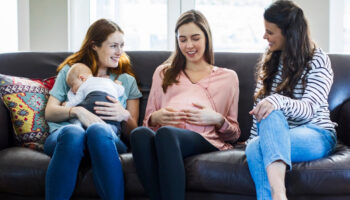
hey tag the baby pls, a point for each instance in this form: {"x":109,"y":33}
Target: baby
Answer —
{"x":85,"y":90}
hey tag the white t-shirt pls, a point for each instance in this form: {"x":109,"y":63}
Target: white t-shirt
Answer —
{"x":94,"y":84}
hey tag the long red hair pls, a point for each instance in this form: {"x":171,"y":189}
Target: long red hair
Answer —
{"x":97,"y":33}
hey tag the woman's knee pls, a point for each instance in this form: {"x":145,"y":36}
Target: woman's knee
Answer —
{"x":166,"y":135}
{"x":71,"y":135}
{"x":274,"y":121}
{"x":70,"y":140}
{"x":99,"y":131}
{"x":275,"y":116}
{"x":141,"y":133}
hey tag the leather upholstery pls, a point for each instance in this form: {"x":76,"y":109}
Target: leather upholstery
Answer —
{"x":217,"y":175}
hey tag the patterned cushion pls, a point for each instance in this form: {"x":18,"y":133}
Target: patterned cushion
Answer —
{"x":47,"y":82}
{"x":26,"y":100}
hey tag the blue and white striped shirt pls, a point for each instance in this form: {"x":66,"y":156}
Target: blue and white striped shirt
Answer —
{"x":308,"y":106}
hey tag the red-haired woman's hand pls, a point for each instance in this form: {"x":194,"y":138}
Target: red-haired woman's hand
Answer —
{"x":85,"y":117}
{"x":111,"y":110}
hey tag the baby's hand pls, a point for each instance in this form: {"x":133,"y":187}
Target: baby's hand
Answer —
{"x":118,"y":82}
{"x":64,"y":103}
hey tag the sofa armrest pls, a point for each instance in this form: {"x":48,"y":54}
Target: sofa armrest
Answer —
{"x":5,"y":124}
{"x":343,"y":120}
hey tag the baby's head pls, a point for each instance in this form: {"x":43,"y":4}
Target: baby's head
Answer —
{"x":77,"y":74}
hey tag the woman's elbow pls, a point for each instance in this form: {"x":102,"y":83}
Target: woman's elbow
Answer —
{"x":48,"y":113}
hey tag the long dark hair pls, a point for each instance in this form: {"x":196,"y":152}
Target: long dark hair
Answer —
{"x":297,"y":52}
{"x":97,"y":33}
{"x":177,"y":60}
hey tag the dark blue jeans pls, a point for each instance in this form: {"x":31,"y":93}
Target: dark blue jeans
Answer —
{"x":158,"y":158}
{"x":66,"y":146}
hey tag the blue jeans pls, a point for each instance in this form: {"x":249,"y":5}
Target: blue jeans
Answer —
{"x":66,"y":145}
{"x":276,"y":141}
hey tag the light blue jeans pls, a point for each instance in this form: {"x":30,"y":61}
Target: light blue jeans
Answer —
{"x":276,"y":141}
{"x":67,"y":147}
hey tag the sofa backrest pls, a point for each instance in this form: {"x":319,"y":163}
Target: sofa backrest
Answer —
{"x":340,"y":94}
{"x":43,"y":65}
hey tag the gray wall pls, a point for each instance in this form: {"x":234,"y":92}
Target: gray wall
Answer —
{"x":48,"y":25}
{"x":317,"y":12}
{"x":43,"y":25}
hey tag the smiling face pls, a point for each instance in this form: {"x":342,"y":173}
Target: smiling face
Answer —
{"x":274,"y":36}
{"x":191,"y":41}
{"x":110,"y":50}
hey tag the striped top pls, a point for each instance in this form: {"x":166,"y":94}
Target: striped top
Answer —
{"x":309,"y":106}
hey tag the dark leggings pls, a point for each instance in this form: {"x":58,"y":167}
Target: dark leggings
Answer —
{"x":158,"y":158}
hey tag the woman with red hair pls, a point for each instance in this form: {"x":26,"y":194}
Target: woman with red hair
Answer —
{"x":102,"y":51}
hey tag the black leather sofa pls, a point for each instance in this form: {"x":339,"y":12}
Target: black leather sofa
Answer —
{"x":218,"y":175}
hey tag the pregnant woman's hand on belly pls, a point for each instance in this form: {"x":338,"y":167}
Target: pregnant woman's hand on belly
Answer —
{"x":203,"y":116}
{"x":167,"y":116}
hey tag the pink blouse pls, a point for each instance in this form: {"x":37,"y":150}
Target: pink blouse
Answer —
{"x":219,"y":91}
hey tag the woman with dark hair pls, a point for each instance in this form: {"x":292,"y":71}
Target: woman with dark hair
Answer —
{"x":102,"y":52}
{"x":291,"y":121}
{"x":187,"y":113}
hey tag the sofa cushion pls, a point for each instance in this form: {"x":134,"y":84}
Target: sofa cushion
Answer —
{"x":133,"y":186}
{"x":326,"y":176}
{"x":220,"y":172}
{"x":22,"y":171}
{"x":227,"y":172}
{"x":26,"y":100}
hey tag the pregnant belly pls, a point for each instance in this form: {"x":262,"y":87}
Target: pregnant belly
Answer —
{"x":178,"y":106}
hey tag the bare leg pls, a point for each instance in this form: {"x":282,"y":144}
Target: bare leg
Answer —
{"x":276,"y":173}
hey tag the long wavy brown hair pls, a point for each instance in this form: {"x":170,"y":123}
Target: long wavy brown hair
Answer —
{"x":177,"y":60}
{"x":97,"y":33}
{"x":298,"y":50}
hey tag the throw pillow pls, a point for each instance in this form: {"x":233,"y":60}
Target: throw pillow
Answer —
{"x":47,"y":82}
{"x":26,"y":100}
